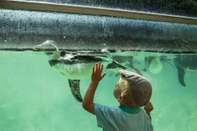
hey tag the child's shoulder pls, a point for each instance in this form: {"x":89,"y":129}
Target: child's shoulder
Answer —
{"x":104,"y":108}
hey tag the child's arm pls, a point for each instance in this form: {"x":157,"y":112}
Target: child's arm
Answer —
{"x":148,"y":108}
{"x":97,"y":75}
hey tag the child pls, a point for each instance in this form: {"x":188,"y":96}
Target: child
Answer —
{"x":132,"y":91}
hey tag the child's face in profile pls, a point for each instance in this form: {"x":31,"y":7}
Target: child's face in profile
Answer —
{"x":117,"y":89}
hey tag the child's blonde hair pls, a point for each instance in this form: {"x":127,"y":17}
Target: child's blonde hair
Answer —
{"x":125,"y":90}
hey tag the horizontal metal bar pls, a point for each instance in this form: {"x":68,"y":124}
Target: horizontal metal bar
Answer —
{"x":42,"y":6}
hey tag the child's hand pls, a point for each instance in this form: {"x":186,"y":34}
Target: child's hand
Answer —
{"x":97,"y":72}
{"x":148,"y":107}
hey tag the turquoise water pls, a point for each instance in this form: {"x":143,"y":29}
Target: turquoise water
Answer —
{"x":34,"y":97}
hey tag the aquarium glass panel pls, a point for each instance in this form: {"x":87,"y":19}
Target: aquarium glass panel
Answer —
{"x":35,"y":96}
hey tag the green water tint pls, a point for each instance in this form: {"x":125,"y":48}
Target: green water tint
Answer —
{"x":34,"y":97}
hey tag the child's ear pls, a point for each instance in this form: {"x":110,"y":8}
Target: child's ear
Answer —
{"x":121,"y":98}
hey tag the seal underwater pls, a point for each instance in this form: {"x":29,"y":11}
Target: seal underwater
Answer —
{"x":77,"y":65}
{"x":183,"y":63}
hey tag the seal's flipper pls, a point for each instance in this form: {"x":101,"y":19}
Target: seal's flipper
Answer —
{"x":137,"y":71}
{"x":181,"y":74}
{"x":75,"y":89}
{"x":144,"y":70}
{"x":114,"y":65}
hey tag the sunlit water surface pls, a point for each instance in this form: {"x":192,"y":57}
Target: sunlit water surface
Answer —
{"x":34,"y":97}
